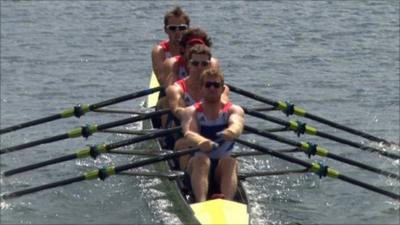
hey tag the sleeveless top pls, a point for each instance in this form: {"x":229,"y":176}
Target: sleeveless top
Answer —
{"x":182,"y":71}
{"x":210,"y":128}
{"x":187,"y":98}
{"x":165,"y":46}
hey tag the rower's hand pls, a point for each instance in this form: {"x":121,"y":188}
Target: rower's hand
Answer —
{"x":208,"y":146}
{"x":227,"y":135}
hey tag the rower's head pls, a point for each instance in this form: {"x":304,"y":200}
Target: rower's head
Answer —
{"x":199,"y":58}
{"x":193,"y":36}
{"x":212,"y":84}
{"x":176,"y":22}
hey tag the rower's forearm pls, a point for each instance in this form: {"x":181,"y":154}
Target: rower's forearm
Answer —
{"x":195,"y":138}
{"x":233,"y":131}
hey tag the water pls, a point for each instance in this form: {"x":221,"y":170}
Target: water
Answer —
{"x":337,"y":59}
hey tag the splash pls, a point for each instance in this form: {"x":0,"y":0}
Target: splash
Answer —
{"x":4,"y":205}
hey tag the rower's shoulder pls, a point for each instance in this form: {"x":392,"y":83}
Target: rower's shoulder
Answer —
{"x":237,"y":109}
{"x":157,"y":50}
{"x":215,"y":62}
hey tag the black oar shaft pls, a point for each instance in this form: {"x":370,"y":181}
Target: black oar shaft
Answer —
{"x":99,"y":149}
{"x":70,"y":112}
{"x":41,"y":164}
{"x":30,"y":123}
{"x":132,"y":119}
{"x":125,"y":98}
{"x":345,"y":128}
{"x":369,"y":187}
{"x":320,"y":133}
{"x":358,"y":145}
{"x":34,"y":143}
{"x":325,"y":153}
{"x":43,"y":187}
{"x":79,"y":131}
{"x":143,"y":138}
{"x":102,"y":173}
{"x":310,"y":166}
{"x":309,"y":115}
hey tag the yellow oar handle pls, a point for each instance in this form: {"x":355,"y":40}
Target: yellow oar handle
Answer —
{"x":93,"y":151}
{"x":100,"y":173}
{"x":323,"y":171}
{"x":77,"y":111}
{"x":85,"y":131}
{"x":290,"y":109}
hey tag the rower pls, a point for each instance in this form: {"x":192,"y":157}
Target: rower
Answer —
{"x":175,"y":22}
{"x":177,"y":67}
{"x":212,"y":125}
{"x":187,"y":91}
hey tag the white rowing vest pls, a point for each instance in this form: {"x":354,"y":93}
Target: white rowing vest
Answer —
{"x":187,"y":98}
{"x":210,"y":128}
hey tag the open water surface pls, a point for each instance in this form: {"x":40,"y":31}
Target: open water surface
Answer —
{"x":337,"y":59}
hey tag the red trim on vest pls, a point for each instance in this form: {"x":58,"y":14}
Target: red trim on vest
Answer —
{"x":227,"y":106}
{"x":199,"y":108}
{"x":164,"y":45}
{"x":182,"y":84}
{"x":181,"y":60}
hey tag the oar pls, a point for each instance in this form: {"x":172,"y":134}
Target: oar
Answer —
{"x":101,"y":173}
{"x":92,"y":151}
{"x":312,"y":149}
{"x":84,"y":131}
{"x":291,"y":109}
{"x":245,"y":175}
{"x":80,"y":110}
{"x":319,"y":169}
{"x":173,"y":175}
{"x":301,"y":128}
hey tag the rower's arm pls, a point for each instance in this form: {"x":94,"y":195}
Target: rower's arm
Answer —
{"x":191,"y":131}
{"x":157,"y":59}
{"x":225,"y":95}
{"x":171,"y":69}
{"x":235,"y":124}
{"x":175,"y":101}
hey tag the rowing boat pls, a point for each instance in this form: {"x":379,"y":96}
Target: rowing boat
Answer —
{"x":212,"y":211}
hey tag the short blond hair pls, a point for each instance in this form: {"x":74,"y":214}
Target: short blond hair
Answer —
{"x":211,"y":73}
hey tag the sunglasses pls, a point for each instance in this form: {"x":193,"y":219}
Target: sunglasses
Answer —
{"x":208,"y":84}
{"x":197,"y":63}
{"x":180,"y":27}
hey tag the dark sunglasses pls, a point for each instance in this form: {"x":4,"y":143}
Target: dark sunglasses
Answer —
{"x":208,"y":84}
{"x":177,"y":27}
{"x":197,"y":63}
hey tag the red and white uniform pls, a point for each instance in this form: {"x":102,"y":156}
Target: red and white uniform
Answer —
{"x":187,"y":98}
{"x":182,"y":71}
{"x":210,"y":128}
{"x":165,"y":46}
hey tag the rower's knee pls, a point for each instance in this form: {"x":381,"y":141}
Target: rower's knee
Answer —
{"x":182,"y":143}
{"x":227,"y":166}
{"x":199,"y":164}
